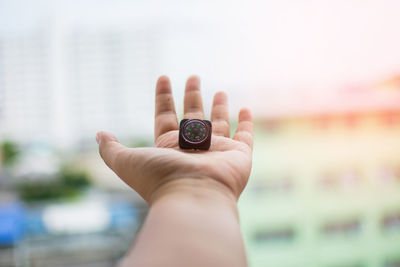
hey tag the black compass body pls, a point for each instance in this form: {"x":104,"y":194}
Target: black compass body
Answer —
{"x":195,"y":134}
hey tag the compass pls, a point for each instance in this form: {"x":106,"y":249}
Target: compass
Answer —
{"x":195,"y":134}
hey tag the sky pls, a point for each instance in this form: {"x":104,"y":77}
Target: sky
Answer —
{"x":248,"y":48}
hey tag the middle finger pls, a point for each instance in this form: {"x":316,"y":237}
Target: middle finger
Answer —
{"x":193,"y":105}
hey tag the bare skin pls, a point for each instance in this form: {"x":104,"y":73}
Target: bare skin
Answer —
{"x":192,"y":195}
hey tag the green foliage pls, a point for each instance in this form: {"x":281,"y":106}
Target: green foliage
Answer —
{"x":74,"y":179}
{"x":44,"y":190}
{"x":9,"y":152}
{"x":67,"y":184}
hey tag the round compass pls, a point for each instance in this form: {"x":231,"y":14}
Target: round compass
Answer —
{"x":195,"y":131}
{"x":195,"y":134}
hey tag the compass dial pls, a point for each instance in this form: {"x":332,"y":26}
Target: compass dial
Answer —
{"x":195,"y":131}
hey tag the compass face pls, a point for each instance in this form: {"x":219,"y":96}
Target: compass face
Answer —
{"x":195,"y":131}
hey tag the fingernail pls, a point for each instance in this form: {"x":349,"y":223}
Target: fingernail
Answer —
{"x":98,"y":138}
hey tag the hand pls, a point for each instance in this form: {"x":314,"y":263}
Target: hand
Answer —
{"x":166,"y":169}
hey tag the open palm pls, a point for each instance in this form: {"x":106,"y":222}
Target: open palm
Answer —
{"x":166,"y":167}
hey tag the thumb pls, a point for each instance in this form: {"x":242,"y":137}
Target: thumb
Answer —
{"x":111,"y":150}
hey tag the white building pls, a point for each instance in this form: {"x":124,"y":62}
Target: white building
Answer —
{"x":69,"y":68}
{"x":61,"y":85}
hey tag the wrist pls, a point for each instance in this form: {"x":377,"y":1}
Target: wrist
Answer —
{"x":194,"y":217}
{"x":199,"y":191}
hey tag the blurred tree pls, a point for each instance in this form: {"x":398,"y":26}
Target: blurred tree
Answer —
{"x":9,"y":152}
{"x":41,"y":190}
{"x":74,"y":178}
{"x":67,"y":184}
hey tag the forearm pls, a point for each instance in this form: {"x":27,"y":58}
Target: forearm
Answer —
{"x":193,"y":218}
{"x":195,"y":227}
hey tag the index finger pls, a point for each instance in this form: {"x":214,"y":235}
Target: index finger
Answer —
{"x":165,"y":116}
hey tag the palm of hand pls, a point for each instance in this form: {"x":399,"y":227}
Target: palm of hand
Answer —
{"x":227,"y":162}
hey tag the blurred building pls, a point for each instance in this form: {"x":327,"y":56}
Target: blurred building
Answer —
{"x":325,"y":186}
{"x":64,"y":85}
{"x":25,"y":84}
